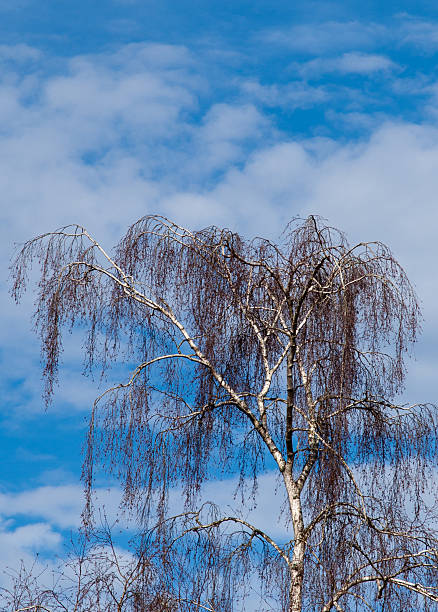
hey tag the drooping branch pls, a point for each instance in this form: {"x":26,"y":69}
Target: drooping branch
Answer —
{"x":244,"y":354}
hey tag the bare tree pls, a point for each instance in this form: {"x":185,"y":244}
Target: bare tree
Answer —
{"x":247,"y":355}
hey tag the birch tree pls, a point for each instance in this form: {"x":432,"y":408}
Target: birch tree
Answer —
{"x":252,"y":356}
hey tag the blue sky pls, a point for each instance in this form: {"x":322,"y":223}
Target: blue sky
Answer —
{"x":241,"y":114}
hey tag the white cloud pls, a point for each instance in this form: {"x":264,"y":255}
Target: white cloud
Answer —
{"x":316,"y":38}
{"x":348,"y":63}
{"x":61,"y":506}
{"x":19,"y":53}
{"x":233,"y":123}
{"x":293,"y":95}
{"x":114,"y":108}
{"x":350,"y":120}
{"x":223,"y":138}
{"x":418,"y":32}
{"x":58,"y":506}
{"x":370,"y":187}
{"x":22,"y":543}
{"x":322,"y":37}
{"x":124,"y":96}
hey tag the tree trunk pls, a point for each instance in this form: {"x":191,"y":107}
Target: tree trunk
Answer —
{"x":297,"y":565}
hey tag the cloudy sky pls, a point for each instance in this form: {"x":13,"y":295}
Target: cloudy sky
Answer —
{"x":237,"y":113}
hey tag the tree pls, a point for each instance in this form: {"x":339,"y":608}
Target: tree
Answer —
{"x":247,"y":355}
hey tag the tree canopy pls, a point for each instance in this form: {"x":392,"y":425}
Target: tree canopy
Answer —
{"x":247,"y":356}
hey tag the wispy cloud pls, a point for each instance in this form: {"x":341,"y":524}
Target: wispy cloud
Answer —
{"x":60,"y":506}
{"x":293,"y":95}
{"x":418,"y":32}
{"x":329,"y":36}
{"x":348,"y":63}
{"x":19,"y":53}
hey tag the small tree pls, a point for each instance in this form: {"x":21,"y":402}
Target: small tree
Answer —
{"x":247,"y":354}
